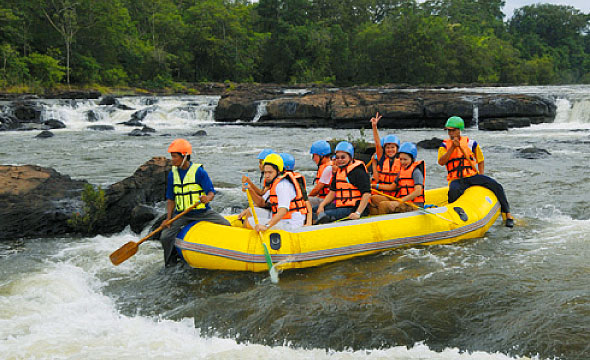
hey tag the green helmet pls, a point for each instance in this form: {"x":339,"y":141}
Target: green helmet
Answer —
{"x":455,"y":122}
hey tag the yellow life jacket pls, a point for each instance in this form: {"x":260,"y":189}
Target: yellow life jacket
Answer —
{"x":187,"y":191}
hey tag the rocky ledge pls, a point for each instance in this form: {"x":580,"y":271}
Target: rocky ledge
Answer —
{"x":401,"y":108}
{"x":38,"y":201}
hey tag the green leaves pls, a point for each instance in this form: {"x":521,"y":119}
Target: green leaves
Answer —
{"x":161,"y":43}
{"x":93,"y":210}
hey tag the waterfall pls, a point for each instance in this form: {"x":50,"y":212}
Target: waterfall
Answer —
{"x":260,"y":110}
{"x":158,"y":113}
{"x":475,"y":116}
{"x":574,"y":110}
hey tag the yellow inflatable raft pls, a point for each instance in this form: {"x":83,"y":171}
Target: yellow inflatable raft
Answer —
{"x":212,"y":246}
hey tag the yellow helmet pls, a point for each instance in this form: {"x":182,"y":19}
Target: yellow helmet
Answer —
{"x":274,"y":159}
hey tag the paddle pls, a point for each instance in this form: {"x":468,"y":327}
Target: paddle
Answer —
{"x":274,"y":275}
{"x":128,"y":250}
{"x":411,"y":204}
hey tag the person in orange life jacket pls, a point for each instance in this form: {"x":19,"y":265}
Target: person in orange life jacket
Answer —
{"x":187,"y":183}
{"x":460,"y":154}
{"x":409,"y":183}
{"x":300,"y":185}
{"x":247,"y":183}
{"x":320,"y":153}
{"x":287,"y":208}
{"x":350,"y":188}
{"x":387,"y":166}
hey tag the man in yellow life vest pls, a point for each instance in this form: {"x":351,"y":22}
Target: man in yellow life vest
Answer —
{"x":350,"y":188}
{"x":187,"y":184}
{"x":288,"y":208}
{"x":465,"y":166}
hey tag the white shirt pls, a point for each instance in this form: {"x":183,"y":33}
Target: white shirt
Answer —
{"x":326,"y":177}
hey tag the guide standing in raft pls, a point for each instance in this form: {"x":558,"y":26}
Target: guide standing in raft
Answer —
{"x":187,"y":184}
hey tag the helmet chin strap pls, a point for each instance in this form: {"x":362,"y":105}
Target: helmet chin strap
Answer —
{"x":183,"y":160}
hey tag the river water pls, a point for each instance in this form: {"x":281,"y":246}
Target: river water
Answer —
{"x":515,"y":293}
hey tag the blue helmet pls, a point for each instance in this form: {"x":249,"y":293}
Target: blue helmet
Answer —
{"x":346,"y":147}
{"x":321,"y":148}
{"x":409,"y":148}
{"x":390,"y":139}
{"x":264,"y":153}
{"x":288,"y":161}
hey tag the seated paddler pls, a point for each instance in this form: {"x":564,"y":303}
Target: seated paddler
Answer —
{"x":247,"y":183}
{"x":301,"y":184}
{"x":408,"y":185}
{"x":350,"y":188}
{"x":320,"y":153}
{"x":187,"y":183}
{"x":288,"y":210}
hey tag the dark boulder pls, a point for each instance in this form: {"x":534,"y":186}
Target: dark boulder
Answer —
{"x":433,"y":143}
{"x":27,"y":112}
{"x":200,"y":133}
{"x":147,"y":129}
{"x":149,"y":101}
{"x":141,"y":215}
{"x":124,"y":107}
{"x":146,"y":186}
{"x":109,"y":100}
{"x":100,"y":127}
{"x":532,"y":153}
{"x":138,"y":132}
{"x":8,"y":122}
{"x":92,"y":116}
{"x":45,"y":134}
{"x":36,"y":201}
{"x":54,"y":124}
{"x":132,"y":122}
{"x":141,"y":114}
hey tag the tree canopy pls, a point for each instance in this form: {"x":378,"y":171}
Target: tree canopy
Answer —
{"x":159,"y":43}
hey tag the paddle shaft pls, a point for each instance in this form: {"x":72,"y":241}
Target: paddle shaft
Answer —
{"x":411,"y":204}
{"x":161,"y":227}
{"x":129,"y":249}
{"x":266,"y":253}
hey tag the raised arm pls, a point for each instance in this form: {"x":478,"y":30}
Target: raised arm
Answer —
{"x":378,"y":148}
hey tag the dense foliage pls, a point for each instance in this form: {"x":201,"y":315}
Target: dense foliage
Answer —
{"x":160,"y":43}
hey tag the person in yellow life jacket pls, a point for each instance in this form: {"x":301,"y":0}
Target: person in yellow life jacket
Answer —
{"x":247,"y":183}
{"x":320,"y":153}
{"x":409,"y":183}
{"x":465,"y":166}
{"x":386,"y":167}
{"x":288,"y":210}
{"x":350,"y":188}
{"x":187,"y":183}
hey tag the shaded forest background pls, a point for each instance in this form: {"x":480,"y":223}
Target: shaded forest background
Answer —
{"x":169,"y":43}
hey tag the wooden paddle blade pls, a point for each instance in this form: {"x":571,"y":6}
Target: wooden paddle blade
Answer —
{"x":123,"y":253}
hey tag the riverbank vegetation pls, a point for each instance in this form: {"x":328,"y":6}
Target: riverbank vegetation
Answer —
{"x":157,"y":44}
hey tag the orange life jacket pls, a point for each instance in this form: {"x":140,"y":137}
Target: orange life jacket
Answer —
{"x":388,"y":172}
{"x":326,"y":188}
{"x":458,"y":166}
{"x":405,"y":182}
{"x":346,"y":193}
{"x":297,"y":203}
